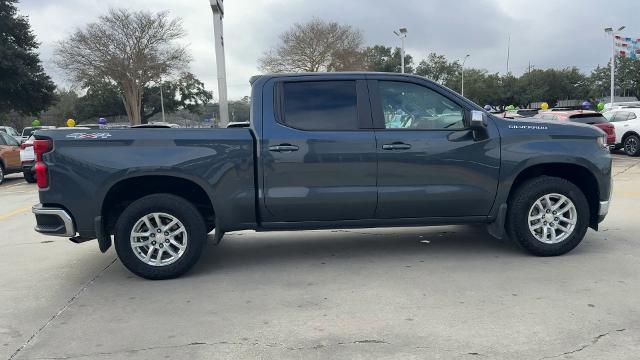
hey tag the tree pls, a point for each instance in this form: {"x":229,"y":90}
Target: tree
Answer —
{"x":24,"y":86}
{"x":315,"y":46}
{"x":383,"y":59}
{"x":437,"y":68}
{"x":130,"y":49}
{"x":185,"y":93}
{"x":104,"y":99}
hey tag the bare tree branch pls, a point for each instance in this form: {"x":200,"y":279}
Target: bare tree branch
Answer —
{"x":127,"y":48}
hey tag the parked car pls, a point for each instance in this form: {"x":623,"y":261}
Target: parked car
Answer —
{"x":28,"y":131}
{"x":9,"y":155}
{"x":626,"y":122}
{"x":584,"y":117}
{"x":324,"y":151}
{"x":11,"y":132}
{"x":28,"y":160}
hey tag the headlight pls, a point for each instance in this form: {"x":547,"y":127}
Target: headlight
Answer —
{"x":602,"y":141}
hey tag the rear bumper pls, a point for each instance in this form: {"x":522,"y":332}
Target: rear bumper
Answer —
{"x":53,"y":221}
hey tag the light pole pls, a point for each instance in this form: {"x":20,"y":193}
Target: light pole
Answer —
{"x":610,"y":31}
{"x":402,"y":34}
{"x":463,"y":61}
{"x":218,"y":14}
{"x":162,"y":101}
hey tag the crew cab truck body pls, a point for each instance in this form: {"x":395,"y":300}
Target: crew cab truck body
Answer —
{"x":324,"y":151}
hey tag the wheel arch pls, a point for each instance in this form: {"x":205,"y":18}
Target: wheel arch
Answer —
{"x":579,"y":175}
{"x":627,"y":134}
{"x":124,"y":192}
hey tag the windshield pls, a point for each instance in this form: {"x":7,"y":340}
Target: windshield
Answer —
{"x":26,"y":132}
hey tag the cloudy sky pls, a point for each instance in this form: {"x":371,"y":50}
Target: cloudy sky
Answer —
{"x":547,"y":33}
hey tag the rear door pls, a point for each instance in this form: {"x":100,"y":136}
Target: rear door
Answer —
{"x":622,"y":121}
{"x":429,"y":164}
{"x":318,"y":152}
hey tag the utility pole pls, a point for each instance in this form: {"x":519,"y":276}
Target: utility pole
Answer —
{"x":463,"y":61}
{"x":218,"y":15}
{"x":402,"y":34}
{"x":508,"y":51}
{"x":610,"y":31}
{"x":162,"y":101}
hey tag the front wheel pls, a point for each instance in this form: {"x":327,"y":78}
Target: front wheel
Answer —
{"x":160,"y":236}
{"x":632,"y":145}
{"x":548,"y":216}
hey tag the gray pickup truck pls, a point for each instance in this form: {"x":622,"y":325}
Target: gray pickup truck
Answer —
{"x":338,"y":150}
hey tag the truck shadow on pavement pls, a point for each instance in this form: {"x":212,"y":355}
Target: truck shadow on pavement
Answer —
{"x":349,"y":246}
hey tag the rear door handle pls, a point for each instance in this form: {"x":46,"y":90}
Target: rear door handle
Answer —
{"x":283,"y":148}
{"x":396,"y":146}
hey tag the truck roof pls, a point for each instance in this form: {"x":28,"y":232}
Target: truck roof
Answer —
{"x":276,"y":75}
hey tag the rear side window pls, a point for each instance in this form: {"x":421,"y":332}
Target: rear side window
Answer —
{"x":27,"y":132}
{"x":320,"y":105}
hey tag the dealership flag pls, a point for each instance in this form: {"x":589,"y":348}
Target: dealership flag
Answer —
{"x":628,"y":47}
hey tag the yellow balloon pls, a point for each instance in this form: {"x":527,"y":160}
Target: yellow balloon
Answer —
{"x":544,"y":106}
{"x":71,"y":123}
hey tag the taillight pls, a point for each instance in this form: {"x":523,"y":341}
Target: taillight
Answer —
{"x":41,"y":147}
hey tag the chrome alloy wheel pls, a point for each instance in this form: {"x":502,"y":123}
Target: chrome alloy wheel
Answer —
{"x":158,"y":239}
{"x":631,"y":145}
{"x":552,"y":218}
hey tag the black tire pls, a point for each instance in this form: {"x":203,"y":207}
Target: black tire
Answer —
{"x":524,"y":198}
{"x":631,"y":145}
{"x":1,"y":173}
{"x":29,"y":176}
{"x":170,"y":204}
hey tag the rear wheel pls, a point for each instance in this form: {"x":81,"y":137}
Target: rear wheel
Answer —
{"x":632,"y":145}
{"x":1,"y":174}
{"x":160,"y":236}
{"x":548,"y":216}
{"x":29,"y":176}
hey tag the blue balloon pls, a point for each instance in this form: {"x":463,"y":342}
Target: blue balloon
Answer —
{"x":102,"y":121}
{"x":487,"y":107}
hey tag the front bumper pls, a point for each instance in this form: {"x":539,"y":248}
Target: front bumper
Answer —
{"x":53,"y":221}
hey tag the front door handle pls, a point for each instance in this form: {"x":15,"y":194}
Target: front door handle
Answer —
{"x":396,"y":146}
{"x":283,"y":148}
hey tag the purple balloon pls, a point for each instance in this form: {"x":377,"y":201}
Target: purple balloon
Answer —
{"x":586,"y":105}
{"x":487,"y":107}
{"x":102,"y":121}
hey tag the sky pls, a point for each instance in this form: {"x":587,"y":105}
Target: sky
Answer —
{"x":544,"y":33}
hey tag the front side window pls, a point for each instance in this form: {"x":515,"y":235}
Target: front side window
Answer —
{"x":411,"y":106}
{"x":320,"y":105}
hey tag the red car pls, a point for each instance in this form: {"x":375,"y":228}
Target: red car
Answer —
{"x":585,"y":117}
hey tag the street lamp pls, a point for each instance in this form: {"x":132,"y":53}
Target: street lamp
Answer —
{"x":218,"y":14}
{"x":463,"y":61}
{"x":613,"y":34}
{"x":402,"y":34}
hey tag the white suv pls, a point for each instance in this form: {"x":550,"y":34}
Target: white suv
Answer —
{"x":626,"y":122}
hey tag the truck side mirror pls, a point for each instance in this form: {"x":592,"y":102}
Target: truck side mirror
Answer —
{"x":478,"y":120}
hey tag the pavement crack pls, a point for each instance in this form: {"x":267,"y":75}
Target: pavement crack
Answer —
{"x":70,"y":301}
{"x":205,"y":343}
{"x":583,"y":346}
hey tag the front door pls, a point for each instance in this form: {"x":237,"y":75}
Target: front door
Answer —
{"x":318,"y":151}
{"x":10,"y":149}
{"x":429,"y":164}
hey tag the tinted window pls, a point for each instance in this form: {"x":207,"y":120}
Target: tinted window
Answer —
{"x":588,"y":119}
{"x":26,"y":132}
{"x":411,"y":106}
{"x":632,"y":116}
{"x":2,"y":142}
{"x":321,"y":105}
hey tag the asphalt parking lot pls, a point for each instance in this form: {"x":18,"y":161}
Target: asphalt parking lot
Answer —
{"x":428,"y":293}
